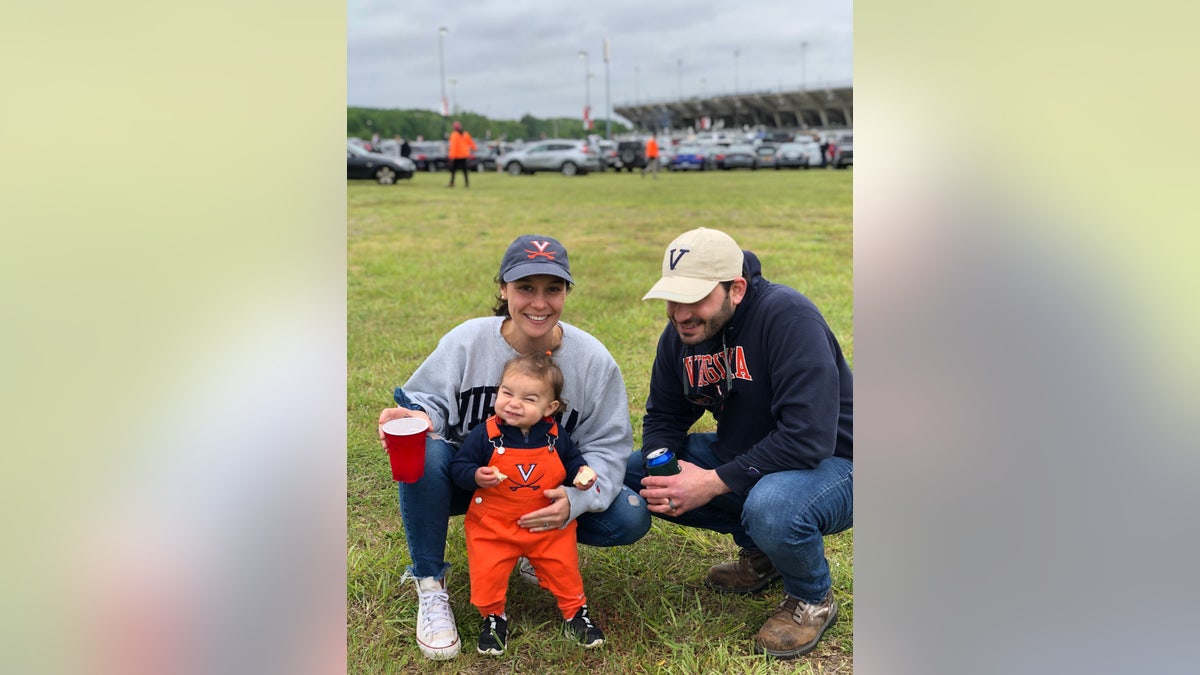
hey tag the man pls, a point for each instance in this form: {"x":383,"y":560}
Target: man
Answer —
{"x":651,"y":158}
{"x":461,"y":145}
{"x":778,"y":473}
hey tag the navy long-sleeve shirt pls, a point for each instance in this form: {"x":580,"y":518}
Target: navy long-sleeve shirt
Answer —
{"x":476,"y":451}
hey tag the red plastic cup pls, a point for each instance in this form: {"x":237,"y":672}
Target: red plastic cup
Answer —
{"x":405,"y":439}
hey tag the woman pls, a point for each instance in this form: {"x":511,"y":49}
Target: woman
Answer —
{"x":455,"y":388}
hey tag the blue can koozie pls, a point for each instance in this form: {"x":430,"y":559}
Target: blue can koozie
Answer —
{"x":661,"y":462}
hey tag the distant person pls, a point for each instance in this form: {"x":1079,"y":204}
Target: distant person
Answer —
{"x":461,"y":145}
{"x":405,"y":148}
{"x":651,"y":158}
{"x":510,"y":461}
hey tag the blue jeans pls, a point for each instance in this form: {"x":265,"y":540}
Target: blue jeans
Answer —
{"x":426,"y":507}
{"x":785,"y":515}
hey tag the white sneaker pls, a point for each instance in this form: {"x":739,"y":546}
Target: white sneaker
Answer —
{"x":437,"y":636}
{"x":525,"y":569}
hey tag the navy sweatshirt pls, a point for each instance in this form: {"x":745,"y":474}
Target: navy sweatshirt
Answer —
{"x":791,"y":403}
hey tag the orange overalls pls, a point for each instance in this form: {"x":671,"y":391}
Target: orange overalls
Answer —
{"x":495,"y":541}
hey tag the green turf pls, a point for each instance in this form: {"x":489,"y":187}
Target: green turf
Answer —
{"x":422,"y":258}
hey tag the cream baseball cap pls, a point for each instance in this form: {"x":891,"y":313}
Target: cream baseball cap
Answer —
{"x":694,"y":264}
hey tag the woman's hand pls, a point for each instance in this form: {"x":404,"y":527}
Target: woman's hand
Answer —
{"x":390,"y":414}
{"x":550,"y":517}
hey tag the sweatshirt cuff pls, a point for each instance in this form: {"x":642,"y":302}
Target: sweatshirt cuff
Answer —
{"x":580,"y":501}
{"x":737,"y":478}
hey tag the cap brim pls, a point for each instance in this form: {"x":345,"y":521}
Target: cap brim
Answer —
{"x":681,"y":289}
{"x":530,"y":269}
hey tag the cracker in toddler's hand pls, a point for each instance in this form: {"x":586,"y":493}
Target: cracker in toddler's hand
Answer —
{"x":585,"y":474}
{"x":499,"y":475}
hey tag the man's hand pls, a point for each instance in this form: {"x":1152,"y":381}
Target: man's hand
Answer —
{"x":689,"y":489}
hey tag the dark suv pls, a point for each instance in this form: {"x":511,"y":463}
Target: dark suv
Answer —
{"x":845,"y":152}
{"x":631,"y":155}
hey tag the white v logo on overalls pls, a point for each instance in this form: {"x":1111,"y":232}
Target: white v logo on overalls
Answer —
{"x":526,"y":472}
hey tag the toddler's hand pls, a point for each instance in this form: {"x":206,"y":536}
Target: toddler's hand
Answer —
{"x":585,"y":479}
{"x":488,"y":476}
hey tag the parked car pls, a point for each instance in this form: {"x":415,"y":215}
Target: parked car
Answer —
{"x":568,"y":156}
{"x":777,"y":136}
{"x":845,"y":152}
{"x":430,"y":156}
{"x":631,"y":155}
{"x":689,"y":158}
{"x":817,"y":148}
{"x":387,"y":146}
{"x":608,"y":155}
{"x":482,"y":159}
{"x":372,"y":165}
{"x":740,"y":156}
{"x":799,"y":155}
{"x":765,"y":155}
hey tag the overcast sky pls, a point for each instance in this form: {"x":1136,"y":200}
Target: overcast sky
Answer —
{"x":512,"y":57}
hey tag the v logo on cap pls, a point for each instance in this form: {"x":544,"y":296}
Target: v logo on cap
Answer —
{"x":541,"y":250}
{"x":676,"y":258}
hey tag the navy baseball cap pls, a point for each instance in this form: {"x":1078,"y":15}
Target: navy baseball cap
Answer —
{"x":531,"y":254}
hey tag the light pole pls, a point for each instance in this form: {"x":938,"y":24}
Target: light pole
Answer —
{"x":736,"y":53}
{"x":587,"y":91}
{"x":703,"y":87}
{"x":637,"y":92}
{"x":679,"y":64}
{"x":453,"y":98}
{"x":607,"y":99}
{"x":803,"y":74}
{"x":442,"y":30}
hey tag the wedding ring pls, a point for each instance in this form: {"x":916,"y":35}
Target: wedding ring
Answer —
{"x":671,"y":506}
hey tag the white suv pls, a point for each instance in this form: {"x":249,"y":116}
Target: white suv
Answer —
{"x":568,"y":156}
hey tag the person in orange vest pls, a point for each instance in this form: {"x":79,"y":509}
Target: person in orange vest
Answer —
{"x":461,"y":145}
{"x":510,"y":461}
{"x":651,"y":158}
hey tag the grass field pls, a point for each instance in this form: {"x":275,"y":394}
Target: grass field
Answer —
{"x":421,"y":259}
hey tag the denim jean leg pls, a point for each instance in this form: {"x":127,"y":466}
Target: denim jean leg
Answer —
{"x":624,"y":521}
{"x":789,"y":513}
{"x":426,"y":507}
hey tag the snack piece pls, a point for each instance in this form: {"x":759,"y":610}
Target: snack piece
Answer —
{"x":499,"y":475}
{"x":585,"y":475}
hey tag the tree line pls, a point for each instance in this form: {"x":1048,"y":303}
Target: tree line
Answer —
{"x":365,"y":122}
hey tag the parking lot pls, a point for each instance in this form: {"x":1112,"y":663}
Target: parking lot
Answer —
{"x":704,"y":152}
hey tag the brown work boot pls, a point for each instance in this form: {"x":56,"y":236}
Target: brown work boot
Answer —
{"x":795,"y":627}
{"x":751,"y":572}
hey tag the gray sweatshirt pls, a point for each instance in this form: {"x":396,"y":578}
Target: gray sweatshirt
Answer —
{"x":456,"y":385}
